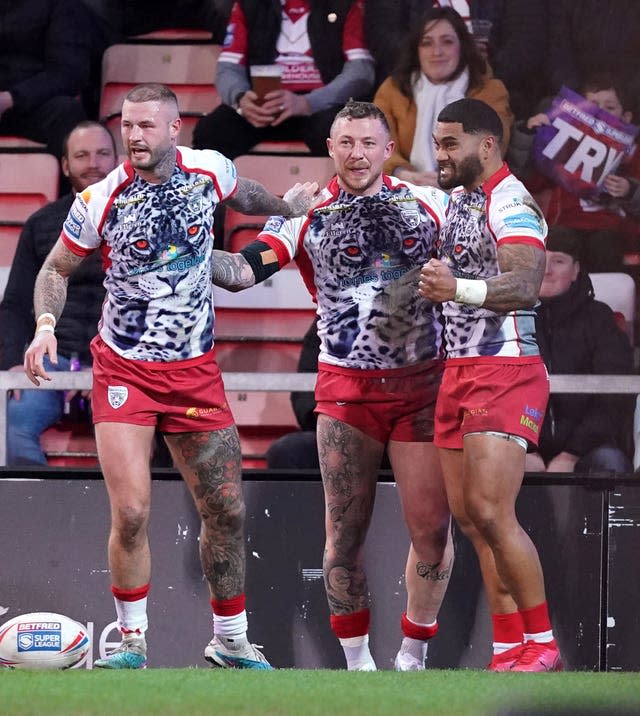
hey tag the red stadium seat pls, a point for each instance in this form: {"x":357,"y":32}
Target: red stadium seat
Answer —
{"x":28,"y":181}
{"x":280,"y":172}
{"x":70,"y":445}
{"x":188,"y":68}
{"x":9,"y":236}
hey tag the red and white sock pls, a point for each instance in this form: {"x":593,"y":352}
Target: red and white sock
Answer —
{"x":416,"y":636}
{"x":230,"y":618}
{"x":352,"y":631}
{"x":537,"y":625}
{"x":507,"y":631}
{"x":131,"y":609}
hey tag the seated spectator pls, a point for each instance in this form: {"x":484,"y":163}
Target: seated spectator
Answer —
{"x":45,"y":49}
{"x":515,"y":47}
{"x":604,"y":227}
{"x":439,"y":65}
{"x":324,"y":62}
{"x":299,"y":450}
{"x":579,"y":335}
{"x":88,"y":156}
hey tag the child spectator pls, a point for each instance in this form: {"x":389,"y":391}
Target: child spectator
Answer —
{"x":605,"y":227}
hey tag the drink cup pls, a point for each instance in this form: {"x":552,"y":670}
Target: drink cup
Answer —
{"x":265,"y":79}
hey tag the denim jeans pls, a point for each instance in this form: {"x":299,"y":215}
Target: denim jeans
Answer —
{"x":30,"y":416}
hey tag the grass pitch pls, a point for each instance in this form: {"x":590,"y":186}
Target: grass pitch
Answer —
{"x":200,"y":692}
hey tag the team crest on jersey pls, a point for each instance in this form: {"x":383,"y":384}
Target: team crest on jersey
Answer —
{"x":117,"y":395}
{"x":411,"y":217}
{"x":274,"y":223}
{"x":195,"y":203}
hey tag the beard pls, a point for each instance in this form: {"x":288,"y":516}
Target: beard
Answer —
{"x":463,"y":174}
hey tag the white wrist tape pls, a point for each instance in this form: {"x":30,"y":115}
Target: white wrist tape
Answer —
{"x":48,"y":318}
{"x":471,"y":291}
{"x":46,"y":327}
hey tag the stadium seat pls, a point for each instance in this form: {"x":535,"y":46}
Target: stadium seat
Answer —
{"x":9,"y":235}
{"x":13,"y":143}
{"x":280,"y":172}
{"x":280,"y":147}
{"x":618,"y":291}
{"x":70,"y":445}
{"x":173,"y":35}
{"x":261,"y":418}
{"x":28,"y":181}
{"x":188,"y":68}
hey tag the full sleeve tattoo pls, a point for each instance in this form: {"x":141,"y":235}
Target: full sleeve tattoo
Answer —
{"x":252,"y":198}
{"x":50,"y":292}
{"x":522,"y":268}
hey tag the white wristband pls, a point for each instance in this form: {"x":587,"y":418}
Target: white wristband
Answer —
{"x":46,"y":327}
{"x":471,"y":291}
{"x":48,"y":317}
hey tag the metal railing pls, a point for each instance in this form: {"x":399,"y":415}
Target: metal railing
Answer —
{"x":239,"y":382}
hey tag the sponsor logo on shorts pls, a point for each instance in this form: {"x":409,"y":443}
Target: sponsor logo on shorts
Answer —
{"x":531,"y":418}
{"x":203,"y":412}
{"x":117,"y":395}
{"x":473,"y":412}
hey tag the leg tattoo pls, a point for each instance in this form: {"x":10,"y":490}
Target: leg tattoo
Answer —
{"x":212,"y":461}
{"x":349,"y":466}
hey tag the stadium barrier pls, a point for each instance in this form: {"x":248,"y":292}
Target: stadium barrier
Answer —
{"x":238,"y":381}
{"x":55,"y":523}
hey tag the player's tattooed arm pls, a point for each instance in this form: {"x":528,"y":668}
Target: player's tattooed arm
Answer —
{"x":50,"y":292}
{"x":231,"y":271}
{"x":252,"y":198}
{"x":522,"y":268}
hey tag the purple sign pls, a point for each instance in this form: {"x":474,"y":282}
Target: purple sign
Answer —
{"x":582,"y":144}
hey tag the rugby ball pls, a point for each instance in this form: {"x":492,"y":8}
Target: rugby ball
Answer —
{"x":42,"y":640}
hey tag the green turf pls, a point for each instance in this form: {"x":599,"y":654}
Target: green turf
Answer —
{"x":196,"y":692}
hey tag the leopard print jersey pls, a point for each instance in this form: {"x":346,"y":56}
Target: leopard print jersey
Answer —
{"x":361,"y":258}
{"x":500,"y":210}
{"x":158,"y":243}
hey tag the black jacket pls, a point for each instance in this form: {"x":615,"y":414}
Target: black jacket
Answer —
{"x":579,"y":335}
{"x":45,"y":50}
{"x":79,"y":320}
{"x":325,"y":36}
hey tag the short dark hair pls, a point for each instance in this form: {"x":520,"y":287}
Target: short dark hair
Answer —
{"x":86,"y":124}
{"x":151,"y":92}
{"x":475,"y":116}
{"x":362,"y":110}
{"x":601,"y":81}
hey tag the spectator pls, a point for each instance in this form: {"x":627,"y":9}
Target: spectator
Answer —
{"x":588,"y":36}
{"x":45,"y":48}
{"x":324,"y":61}
{"x":516,"y":46}
{"x":577,"y":334}
{"x":440,"y":64}
{"x":88,"y":156}
{"x":603,"y":227}
{"x":386,"y":26}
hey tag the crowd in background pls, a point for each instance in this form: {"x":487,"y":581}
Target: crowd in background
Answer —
{"x":411,"y":57}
